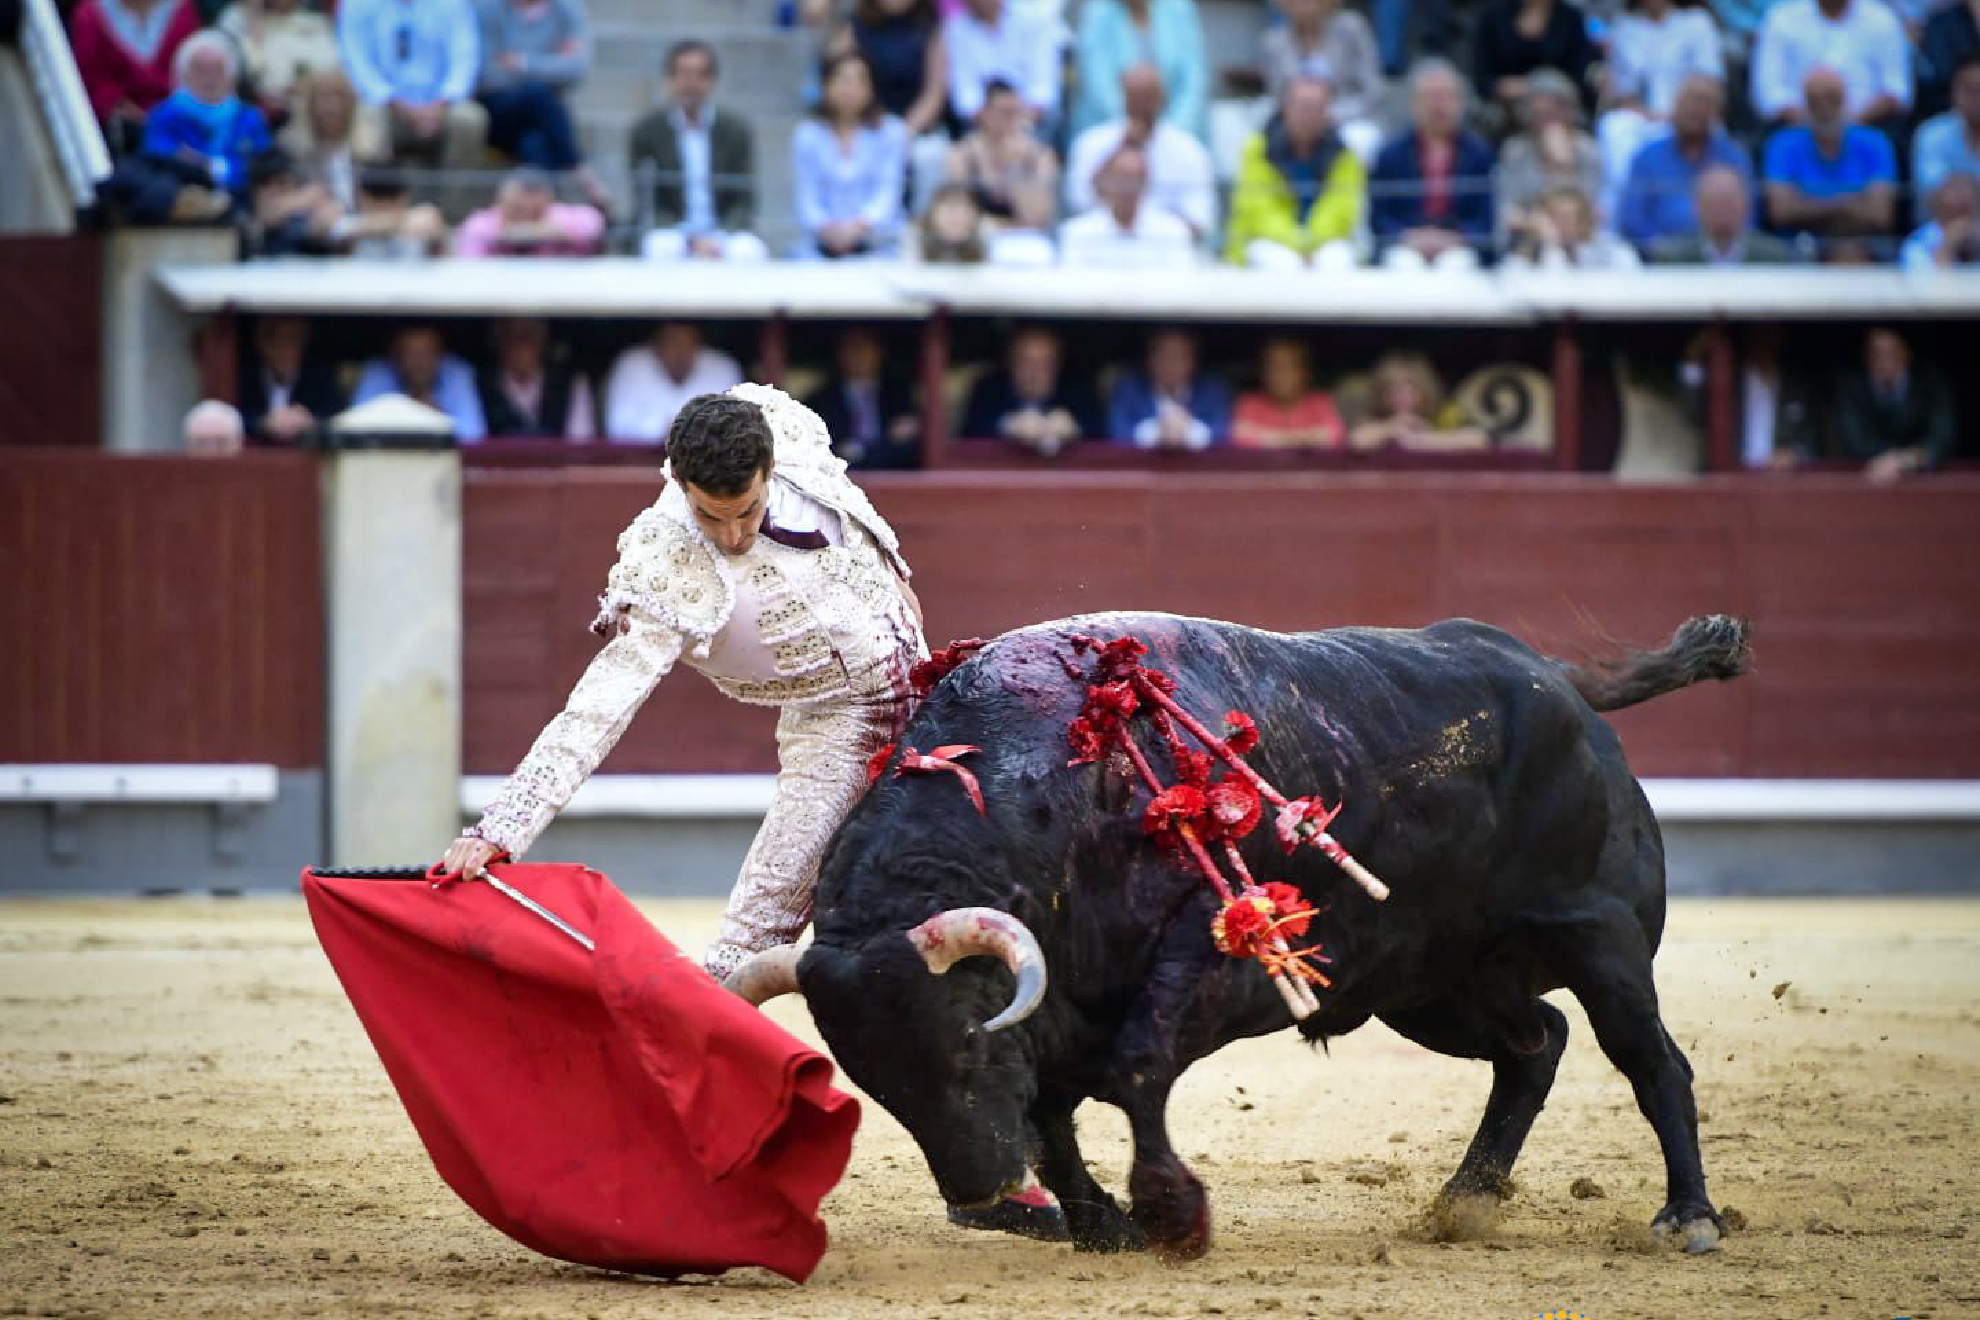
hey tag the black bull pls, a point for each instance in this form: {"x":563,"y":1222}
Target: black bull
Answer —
{"x":1479,"y":782}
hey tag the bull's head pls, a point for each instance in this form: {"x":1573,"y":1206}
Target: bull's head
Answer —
{"x":915,"y":1044}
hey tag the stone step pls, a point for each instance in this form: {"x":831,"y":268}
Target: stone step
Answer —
{"x":676,"y":19}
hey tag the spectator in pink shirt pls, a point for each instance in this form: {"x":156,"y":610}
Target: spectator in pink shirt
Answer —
{"x":124,"y":51}
{"x":527,"y":220}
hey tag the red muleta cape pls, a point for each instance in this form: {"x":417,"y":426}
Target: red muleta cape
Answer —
{"x":616,"y":1108}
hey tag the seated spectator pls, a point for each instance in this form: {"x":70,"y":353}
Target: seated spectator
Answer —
{"x":1861,"y":40}
{"x":1894,"y":416}
{"x":525,"y":394}
{"x":532,"y":53}
{"x":1014,"y":176}
{"x":281,"y":42}
{"x":1654,"y":48}
{"x":1123,"y":232}
{"x":1170,"y":405}
{"x":124,"y":51}
{"x":1326,"y":38}
{"x":1286,"y":412}
{"x":850,"y":163}
{"x":204,"y":128}
{"x":318,"y":136}
{"x":418,"y":365}
{"x":1657,"y":199}
{"x":1515,"y":38}
{"x":1725,"y":236}
{"x":388,"y":225}
{"x":651,"y":381}
{"x":414,"y":64}
{"x":1002,"y":41}
{"x":285,"y":396}
{"x":1560,"y":233}
{"x":703,"y":165}
{"x":1182,"y":179}
{"x":1951,"y":237}
{"x":1949,"y":144}
{"x":1950,"y":40}
{"x":1116,"y":35}
{"x":292,"y":217}
{"x":903,"y":44}
{"x":1029,"y":401}
{"x":1550,"y":152}
{"x":212,"y":429}
{"x":1300,"y":192}
{"x":1827,"y":176}
{"x":1408,"y":410}
{"x":1430,"y":194}
{"x":955,"y":232}
{"x":527,"y":220}
{"x":868,"y":410}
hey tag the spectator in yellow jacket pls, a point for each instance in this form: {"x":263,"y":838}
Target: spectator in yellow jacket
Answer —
{"x":1300,"y":192}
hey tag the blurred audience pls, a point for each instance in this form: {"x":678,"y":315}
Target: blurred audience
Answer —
{"x":1326,"y":38}
{"x":281,"y":42}
{"x":285,"y":397}
{"x":1123,"y":232}
{"x":850,"y":165}
{"x":1860,"y":40}
{"x":1182,"y":179}
{"x":952,"y":231}
{"x":532,"y":53}
{"x":1894,"y":415}
{"x":1286,"y":412}
{"x":1951,"y":237}
{"x":1724,"y":235}
{"x":1170,"y":404}
{"x":1654,"y":48}
{"x":868,"y":410}
{"x":1827,"y":176}
{"x":1300,"y":193}
{"x":1951,"y":38}
{"x":1550,"y":152}
{"x":527,"y":220}
{"x":904,"y":45}
{"x":1029,"y":401}
{"x":124,"y":51}
{"x":651,"y":381}
{"x":1408,"y":410}
{"x":292,"y":217}
{"x":318,"y":136}
{"x":1515,"y":39}
{"x":389,"y":225}
{"x":1561,"y":233}
{"x":525,"y":393}
{"x":1430,"y":193}
{"x":703,"y":165}
{"x":1949,"y":143}
{"x":1117,"y":35}
{"x":418,"y":365}
{"x":1002,"y":41}
{"x":213,"y":429}
{"x":204,"y":129}
{"x":1014,"y":176}
{"x":414,"y":64}
{"x":1662,"y":180}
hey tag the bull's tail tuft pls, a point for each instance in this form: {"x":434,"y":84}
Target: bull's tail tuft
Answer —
{"x":1707,"y":646}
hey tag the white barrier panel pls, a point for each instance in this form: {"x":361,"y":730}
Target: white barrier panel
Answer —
{"x":137,"y":783}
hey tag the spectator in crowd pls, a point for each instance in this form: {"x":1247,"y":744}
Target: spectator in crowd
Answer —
{"x":1861,"y":40}
{"x":524,"y":393}
{"x":1300,"y":192}
{"x":1123,"y":232}
{"x":1029,"y":401}
{"x":1000,"y":41}
{"x":281,"y":42}
{"x":1724,"y":236}
{"x":903,"y":43}
{"x":1408,"y":410}
{"x":868,"y":411}
{"x":293,"y":217}
{"x":850,"y":162}
{"x":1951,"y":237}
{"x":418,"y":365}
{"x":213,"y":429}
{"x":414,"y":64}
{"x":703,"y":163}
{"x":1662,"y":180}
{"x":1514,"y":38}
{"x":532,"y":53}
{"x":1286,"y":412}
{"x":1181,"y":176}
{"x":1827,"y":176}
{"x":953,"y":231}
{"x":527,"y":220}
{"x":1170,"y":405}
{"x":651,"y":381}
{"x":1949,"y":144}
{"x":389,"y":225}
{"x":1655,"y":46}
{"x":285,"y":396}
{"x":1430,"y":194}
{"x":1326,"y":38}
{"x":1894,"y":416}
{"x":203,"y":127}
{"x":318,"y":135}
{"x":1117,"y":35}
{"x":124,"y":51}
{"x":1550,"y":152}
{"x":1560,"y":233}
{"x":1014,"y":176}
{"x":1951,"y":39}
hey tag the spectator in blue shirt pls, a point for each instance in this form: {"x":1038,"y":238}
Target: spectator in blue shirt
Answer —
{"x":1829,"y":177}
{"x":532,"y":53}
{"x":204,"y":129}
{"x":1171,"y":405}
{"x":1663,"y":178}
{"x":419,"y":366}
{"x":850,"y":163}
{"x":1430,"y":193}
{"x":1949,"y":144}
{"x":414,"y":64}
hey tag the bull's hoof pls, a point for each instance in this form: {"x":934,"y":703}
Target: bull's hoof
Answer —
{"x":1102,"y":1228}
{"x":1464,"y":1216}
{"x":1183,"y":1237}
{"x":1692,"y":1229}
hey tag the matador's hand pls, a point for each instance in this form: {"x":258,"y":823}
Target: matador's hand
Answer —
{"x":469,"y":857}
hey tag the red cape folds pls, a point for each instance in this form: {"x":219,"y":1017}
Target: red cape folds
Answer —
{"x":617,"y":1109}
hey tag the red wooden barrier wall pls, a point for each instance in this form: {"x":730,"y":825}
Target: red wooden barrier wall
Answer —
{"x":51,"y":339}
{"x":1865,"y":602}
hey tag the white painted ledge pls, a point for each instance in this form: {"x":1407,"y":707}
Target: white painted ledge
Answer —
{"x":137,"y":783}
{"x":651,"y":797}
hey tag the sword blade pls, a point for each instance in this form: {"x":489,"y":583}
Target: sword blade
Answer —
{"x":517,"y":896}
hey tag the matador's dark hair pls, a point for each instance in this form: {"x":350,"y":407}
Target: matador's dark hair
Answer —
{"x":719,"y":444}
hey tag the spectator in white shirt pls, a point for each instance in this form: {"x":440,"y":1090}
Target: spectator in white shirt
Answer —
{"x":1860,"y":39}
{"x":1181,"y":176}
{"x":1123,"y":233}
{"x":1653,"y":48}
{"x":651,"y":381}
{"x":996,"y":41}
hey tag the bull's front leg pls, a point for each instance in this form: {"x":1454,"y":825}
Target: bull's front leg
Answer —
{"x":1094,"y":1220}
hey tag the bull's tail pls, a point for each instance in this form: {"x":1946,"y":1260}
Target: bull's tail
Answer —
{"x":1707,"y":646}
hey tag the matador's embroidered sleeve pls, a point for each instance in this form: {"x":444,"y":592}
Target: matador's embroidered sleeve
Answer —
{"x":570,"y":747}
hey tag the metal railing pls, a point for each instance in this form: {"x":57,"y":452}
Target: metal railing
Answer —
{"x":65,"y":108}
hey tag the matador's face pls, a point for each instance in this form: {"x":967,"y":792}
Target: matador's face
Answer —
{"x":731,"y":521}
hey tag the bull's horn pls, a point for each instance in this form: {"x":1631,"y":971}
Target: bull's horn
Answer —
{"x":948,"y":937}
{"x":766,"y":975}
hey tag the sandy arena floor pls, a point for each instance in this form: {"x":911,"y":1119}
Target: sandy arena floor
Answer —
{"x":192,"y":1124}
